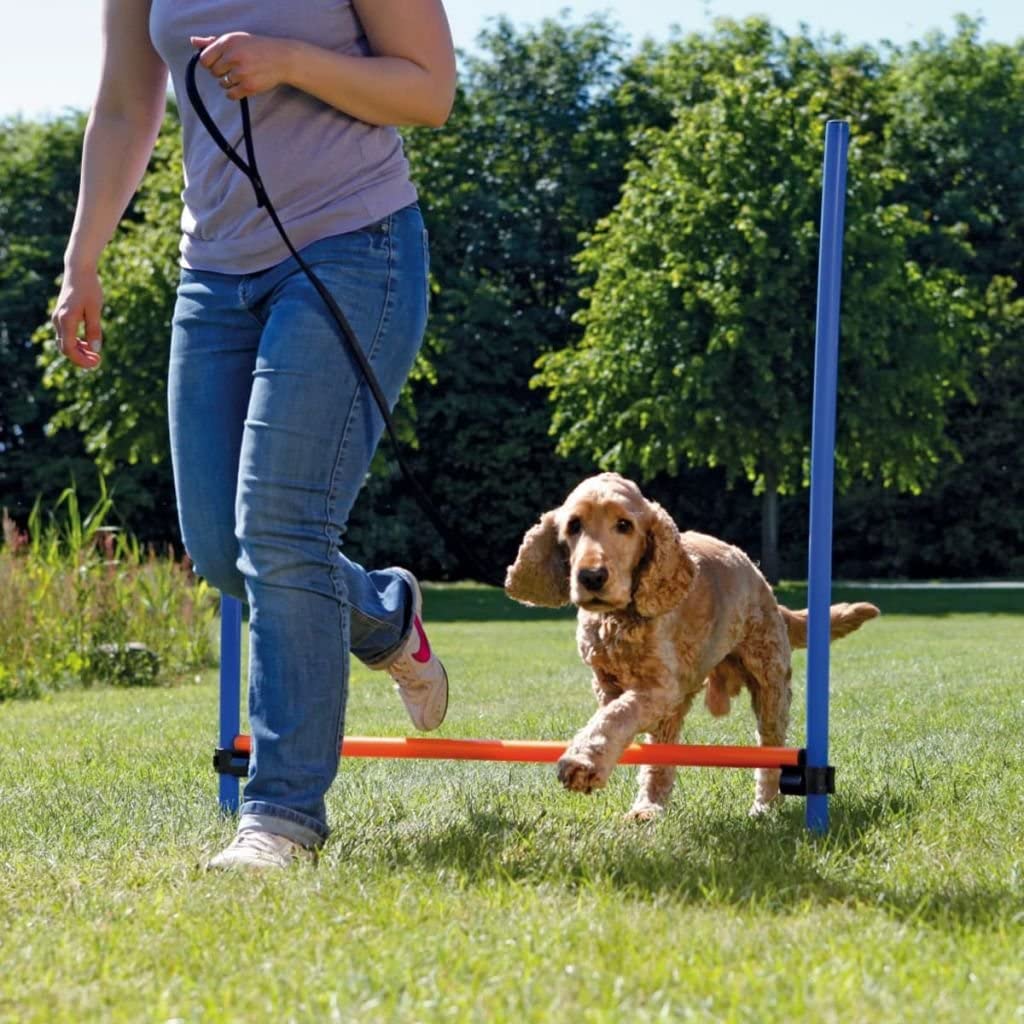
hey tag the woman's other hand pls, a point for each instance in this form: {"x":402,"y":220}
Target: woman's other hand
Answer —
{"x":76,"y":318}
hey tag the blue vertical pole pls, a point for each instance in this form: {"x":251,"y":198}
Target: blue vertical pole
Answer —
{"x":230,"y":690}
{"x":823,"y":436}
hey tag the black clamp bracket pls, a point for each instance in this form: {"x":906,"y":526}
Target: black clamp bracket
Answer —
{"x":803,"y":780}
{"x":228,"y":761}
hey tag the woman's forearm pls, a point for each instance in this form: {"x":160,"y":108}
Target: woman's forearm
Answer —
{"x":121,"y":131}
{"x":379,"y":90}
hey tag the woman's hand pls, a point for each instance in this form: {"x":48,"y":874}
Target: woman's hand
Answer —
{"x":76,"y":318}
{"x":243,"y":64}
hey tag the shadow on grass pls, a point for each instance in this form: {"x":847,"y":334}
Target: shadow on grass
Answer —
{"x":476,"y":603}
{"x":707,"y":858}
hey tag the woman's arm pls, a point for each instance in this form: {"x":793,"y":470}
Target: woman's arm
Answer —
{"x":408,"y":79}
{"x":119,"y":137}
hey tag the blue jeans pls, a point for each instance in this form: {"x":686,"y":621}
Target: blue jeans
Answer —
{"x":272,"y":433}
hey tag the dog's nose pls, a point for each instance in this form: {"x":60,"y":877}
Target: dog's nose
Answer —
{"x":592,"y":579}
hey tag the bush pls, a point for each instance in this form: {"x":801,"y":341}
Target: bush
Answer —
{"x":81,"y":603}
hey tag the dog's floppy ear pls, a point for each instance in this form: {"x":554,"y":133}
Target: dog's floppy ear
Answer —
{"x":665,"y":573}
{"x":540,"y":573}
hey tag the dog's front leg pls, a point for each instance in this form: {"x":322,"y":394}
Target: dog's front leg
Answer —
{"x":597,"y":747}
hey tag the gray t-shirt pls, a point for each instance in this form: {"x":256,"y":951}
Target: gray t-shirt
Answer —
{"x":325,"y":172}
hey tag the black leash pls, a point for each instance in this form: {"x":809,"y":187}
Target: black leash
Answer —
{"x":348,"y":335}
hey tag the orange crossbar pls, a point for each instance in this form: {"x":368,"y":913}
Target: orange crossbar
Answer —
{"x":547,"y":751}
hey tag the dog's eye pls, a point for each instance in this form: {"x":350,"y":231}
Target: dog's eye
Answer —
{"x":574,"y":526}
{"x":624,"y":526}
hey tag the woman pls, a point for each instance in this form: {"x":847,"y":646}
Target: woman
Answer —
{"x":272,"y":429}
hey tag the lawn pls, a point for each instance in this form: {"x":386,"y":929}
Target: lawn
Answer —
{"x":484,"y":893}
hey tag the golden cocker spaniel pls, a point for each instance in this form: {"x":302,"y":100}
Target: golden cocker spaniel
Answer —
{"x":662,"y":615}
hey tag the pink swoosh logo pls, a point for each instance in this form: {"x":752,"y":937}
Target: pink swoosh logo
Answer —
{"x":423,"y":654}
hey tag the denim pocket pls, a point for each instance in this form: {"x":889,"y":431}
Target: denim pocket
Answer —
{"x":378,"y":227}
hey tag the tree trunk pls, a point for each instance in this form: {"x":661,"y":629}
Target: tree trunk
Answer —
{"x":770,"y":528}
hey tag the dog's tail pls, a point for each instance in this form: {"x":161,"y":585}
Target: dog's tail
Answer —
{"x":843,"y":619}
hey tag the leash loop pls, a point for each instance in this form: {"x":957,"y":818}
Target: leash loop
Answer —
{"x":248,"y":169}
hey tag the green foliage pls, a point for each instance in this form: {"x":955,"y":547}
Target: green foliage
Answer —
{"x":47,"y":432}
{"x":118,"y":414}
{"x":130,"y":664}
{"x":970,"y":523}
{"x":83,"y":603}
{"x":38,"y":185}
{"x":698,"y":343}
{"x":680,"y":337}
{"x":954,"y":121}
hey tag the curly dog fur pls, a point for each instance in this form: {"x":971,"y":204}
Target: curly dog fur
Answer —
{"x":662,"y":615}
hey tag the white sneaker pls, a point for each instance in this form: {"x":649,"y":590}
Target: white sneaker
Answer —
{"x":421,"y":678}
{"x":257,"y":849}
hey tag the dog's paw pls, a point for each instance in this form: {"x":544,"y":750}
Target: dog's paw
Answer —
{"x":759,"y":808}
{"x":644,"y":812}
{"x":579,"y":774}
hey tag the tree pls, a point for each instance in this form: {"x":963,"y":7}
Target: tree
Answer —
{"x":957,"y":117}
{"x":38,"y":184}
{"x":698,"y":333}
{"x":954,"y":115}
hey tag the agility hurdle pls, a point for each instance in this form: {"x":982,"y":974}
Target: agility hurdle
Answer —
{"x":805,"y":771}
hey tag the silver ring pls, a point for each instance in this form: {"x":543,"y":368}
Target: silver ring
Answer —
{"x":226,"y":79}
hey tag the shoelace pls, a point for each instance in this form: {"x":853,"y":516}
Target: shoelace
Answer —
{"x":264,"y":842}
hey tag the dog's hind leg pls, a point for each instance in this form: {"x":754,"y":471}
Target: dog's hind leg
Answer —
{"x":771,"y":691}
{"x":656,"y":780}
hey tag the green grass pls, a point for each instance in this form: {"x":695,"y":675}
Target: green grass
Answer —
{"x":484,"y":893}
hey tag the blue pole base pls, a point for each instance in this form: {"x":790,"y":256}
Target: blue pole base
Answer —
{"x":816,"y":814}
